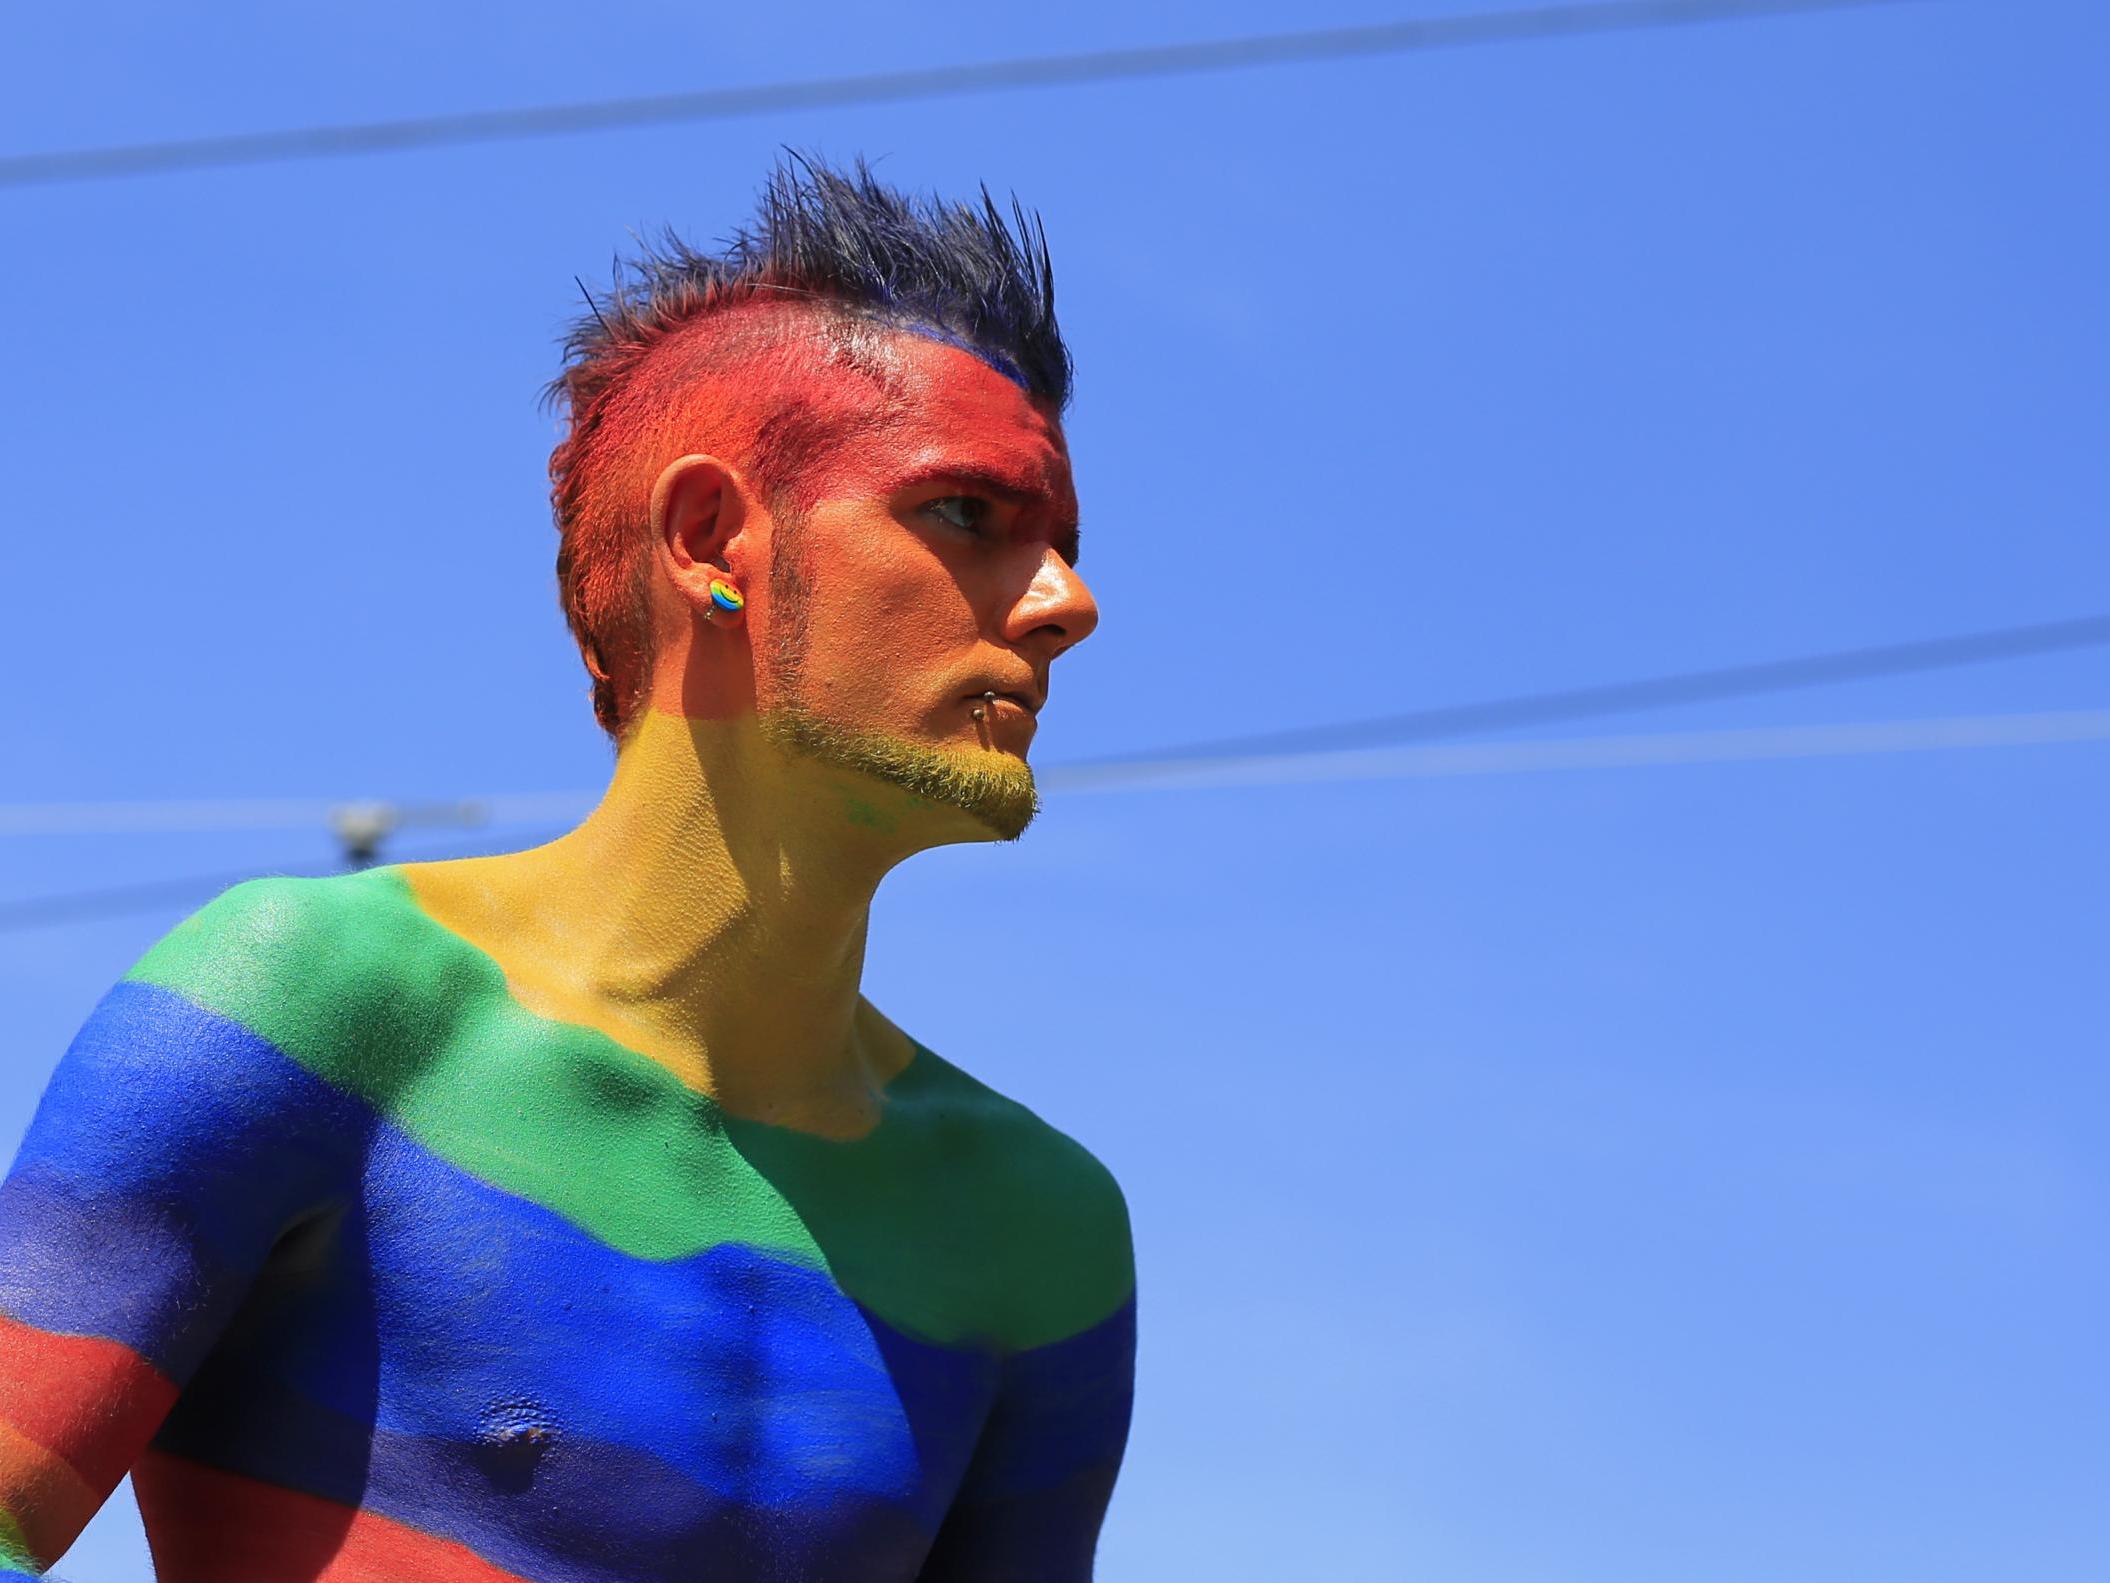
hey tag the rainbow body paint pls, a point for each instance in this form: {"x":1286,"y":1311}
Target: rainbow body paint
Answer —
{"x":368,"y":1272}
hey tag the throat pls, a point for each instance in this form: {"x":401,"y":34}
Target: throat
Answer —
{"x":705,"y":941}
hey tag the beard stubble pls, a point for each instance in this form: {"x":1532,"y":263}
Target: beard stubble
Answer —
{"x":995,"y":789}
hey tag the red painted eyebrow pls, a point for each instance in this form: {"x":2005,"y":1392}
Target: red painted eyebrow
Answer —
{"x":1022,"y":488}
{"x":1019,"y":489}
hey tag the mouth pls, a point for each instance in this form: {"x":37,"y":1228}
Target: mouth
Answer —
{"x":1029,"y":702}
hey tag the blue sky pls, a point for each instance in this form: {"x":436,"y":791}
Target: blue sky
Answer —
{"x":1593,"y":1176}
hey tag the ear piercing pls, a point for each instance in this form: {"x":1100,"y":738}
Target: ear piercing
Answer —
{"x":724,"y":596}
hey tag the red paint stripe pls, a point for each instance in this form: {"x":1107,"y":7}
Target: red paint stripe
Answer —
{"x":93,"y":1402}
{"x":212,"y":1527}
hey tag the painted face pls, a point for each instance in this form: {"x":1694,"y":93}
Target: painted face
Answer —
{"x":937,"y":567}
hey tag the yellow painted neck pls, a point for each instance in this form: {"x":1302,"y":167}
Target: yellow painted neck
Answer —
{"x":710,"y":914}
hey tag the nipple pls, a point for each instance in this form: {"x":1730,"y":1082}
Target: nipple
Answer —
{"x":513,"y":1437}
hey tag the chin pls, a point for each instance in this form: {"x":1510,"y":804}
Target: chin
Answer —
{"x":1006,"y":802}
{"x":994,"y":790}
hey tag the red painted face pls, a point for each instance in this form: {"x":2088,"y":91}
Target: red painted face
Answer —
{"x":938,"y":564}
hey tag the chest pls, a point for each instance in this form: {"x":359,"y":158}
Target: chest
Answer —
{"x":742,"y":1365}
{"x":487,"y":1368}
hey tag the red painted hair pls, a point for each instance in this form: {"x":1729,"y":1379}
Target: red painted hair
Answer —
{"x":761,"y":355}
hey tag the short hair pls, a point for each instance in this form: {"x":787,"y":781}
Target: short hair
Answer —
{"x":831,"y":258}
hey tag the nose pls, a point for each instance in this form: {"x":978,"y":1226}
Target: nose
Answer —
{"x":1056,"y":610}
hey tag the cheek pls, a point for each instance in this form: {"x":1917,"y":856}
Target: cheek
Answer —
{"x":878,"y":638}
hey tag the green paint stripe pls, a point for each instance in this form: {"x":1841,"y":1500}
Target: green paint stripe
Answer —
{"x":1037,"y":1235}
{"x":14,"y":1544}
{"x":550,"y":1111}
{"x":355,"y":982}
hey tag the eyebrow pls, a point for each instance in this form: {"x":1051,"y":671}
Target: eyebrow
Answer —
{"x":1019,"y":489}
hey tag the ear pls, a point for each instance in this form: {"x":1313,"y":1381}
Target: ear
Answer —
{"x":700,"y":507}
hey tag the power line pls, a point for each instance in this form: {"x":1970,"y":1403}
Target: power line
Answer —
{"x":828,"y":93}
{"x":1829,"y":668}
{"x":117,"y":900}
{"x":201,"y":815}
{"x":1739,"y":746}
{"x":1660,"y":692}
{"x":1747,"y":745}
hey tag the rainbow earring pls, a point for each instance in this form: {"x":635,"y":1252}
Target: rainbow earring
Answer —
{"x":724,"y":596}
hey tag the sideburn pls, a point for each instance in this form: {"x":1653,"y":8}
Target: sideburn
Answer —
{"x":790,"y":615}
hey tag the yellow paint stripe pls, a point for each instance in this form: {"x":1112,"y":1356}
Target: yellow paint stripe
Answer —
{"x":49,"y":1502}
{"x":543,"y":972}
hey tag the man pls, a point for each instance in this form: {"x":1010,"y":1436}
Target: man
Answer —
{"x":569,"y":1214}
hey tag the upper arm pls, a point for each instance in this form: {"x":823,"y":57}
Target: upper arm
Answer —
{"x":172,"y":1148}
{"x":1036,"y":1491}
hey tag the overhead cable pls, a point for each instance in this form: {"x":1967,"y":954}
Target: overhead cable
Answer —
{"x":184,"y":816}
{"x":83,"y":906}
{"x":1829,"y":668}
{"x":1742,"y":745}
{"x":1657,"y":692}
{"x":1657,"y":750}
{"x":892,"y":87}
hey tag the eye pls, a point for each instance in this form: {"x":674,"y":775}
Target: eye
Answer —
{"x":965,"y":512}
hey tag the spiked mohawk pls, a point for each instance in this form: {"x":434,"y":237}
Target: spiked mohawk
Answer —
{"x":977,"y":277}
{"x":840,"y":245}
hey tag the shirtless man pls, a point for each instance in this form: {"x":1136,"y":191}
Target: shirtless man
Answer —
{"x":570,"y":1215}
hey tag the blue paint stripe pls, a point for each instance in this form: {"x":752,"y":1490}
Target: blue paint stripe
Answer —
{"x":572,"y":1511}
{"x":749,"y":1373}
{"x":169,"y":1152}
{"x":1037,"y":1491}
{"x":175,"y":1147}
{"x":77,"y":1263}
{"x":1061,"y":1410}
{"x":161,"y":1101}
{"x":144,"y":1219}
{"x":1047,"y":1536}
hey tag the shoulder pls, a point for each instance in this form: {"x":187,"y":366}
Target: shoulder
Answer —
{"x":268,"y":937}
{"x":199,"y":1112}
{"x":329,"y":970}
{"x":214,"y":1075}
{"x":1052,"y":1219}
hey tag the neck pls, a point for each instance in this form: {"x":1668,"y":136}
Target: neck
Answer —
{"x":711,"y":914}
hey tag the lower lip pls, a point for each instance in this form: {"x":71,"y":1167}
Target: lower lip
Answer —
{"x":1000,"y":706}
